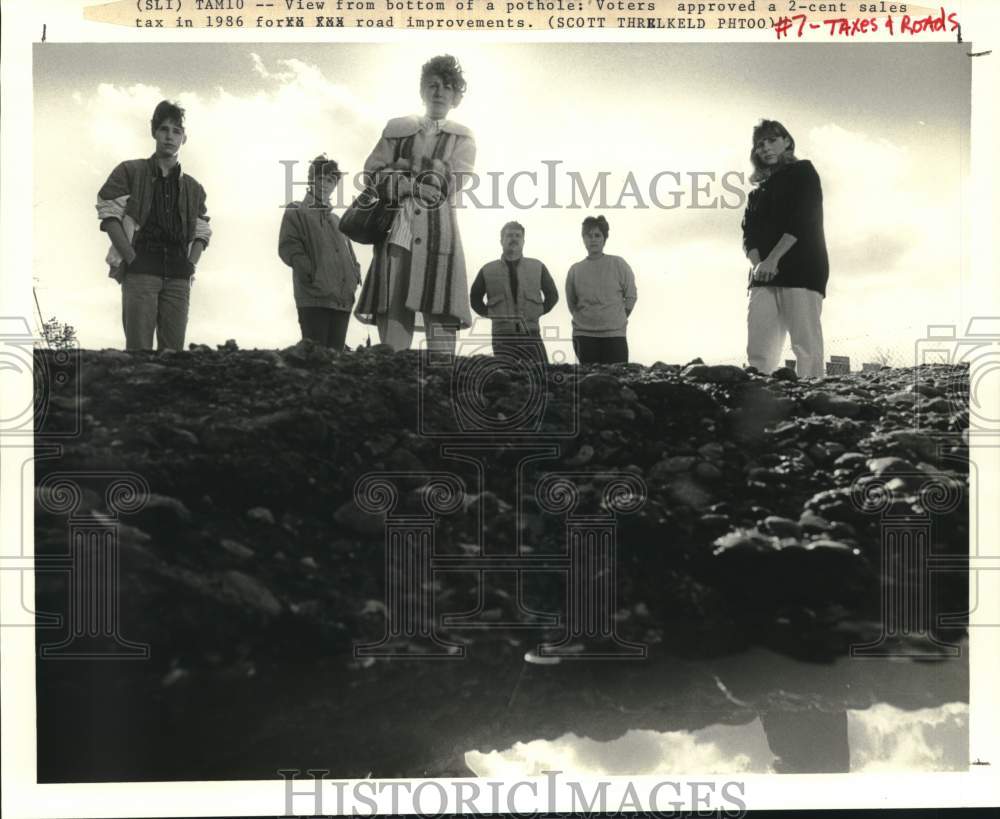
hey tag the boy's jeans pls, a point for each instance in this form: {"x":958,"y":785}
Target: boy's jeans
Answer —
{"x":155,"y":303}
{"x":772,"y":313}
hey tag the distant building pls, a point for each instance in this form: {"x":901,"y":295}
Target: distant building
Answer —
{"x":838,"y":365}
{"x":871,"y":366}
{"x":790,"y":363}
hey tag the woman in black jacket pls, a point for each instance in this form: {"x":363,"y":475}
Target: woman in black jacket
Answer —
{"x":783,"y":239}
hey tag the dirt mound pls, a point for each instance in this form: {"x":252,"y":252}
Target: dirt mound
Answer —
{"x":747,"y":508}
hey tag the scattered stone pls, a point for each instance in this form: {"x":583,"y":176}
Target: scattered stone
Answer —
{"x":831,"y":546}
{"x":584,"y":455}
{"x":360,"y":521}
{"x":781,"y":527}
{"x":596,"y":385}
{"x":884,"y":467}
{"x":707,"y":471}
{"x":784,"y":374}
{"x":743,"y":542}
{"x":851,"y":460}
{"x":381,"y":444}
{"x":250,"y":592}
{"x":716,"y":373}
{"x":712,"y":451}
{"x":826,"y":403}
{"x":687,"y":491}
{"x":535,"y":658}
{"x":261,"y":514}
{"x":811,"y":523}
{"x":237,"y":549}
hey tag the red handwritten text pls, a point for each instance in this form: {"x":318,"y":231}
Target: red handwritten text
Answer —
{"x":844,"y":27}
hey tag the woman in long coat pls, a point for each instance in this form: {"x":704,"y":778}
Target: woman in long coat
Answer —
{"x":420,"y":267}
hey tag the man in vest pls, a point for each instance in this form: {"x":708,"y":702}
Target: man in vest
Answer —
{"x":514,"y":292}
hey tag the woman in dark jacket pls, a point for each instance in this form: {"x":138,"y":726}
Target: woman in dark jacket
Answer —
{"x":783,"y":239}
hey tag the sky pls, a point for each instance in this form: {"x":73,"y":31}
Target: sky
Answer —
{"x":886,"y":126}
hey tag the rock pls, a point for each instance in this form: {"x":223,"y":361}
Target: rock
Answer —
{"x":811,"y":523}
{"x":942,"y":405}
{"x":671,"y":466}
{"x":716,"y":373}
{"x":851,"y":460}
{"x":924,"y":389}
{"x":819,"y":453}
{"x":883,"y":467}
{"x":695,"y":372}
{"x":712,"y":451}
{"x":309,"y":562}
{"x":687,"y":491}
{"x":677,"y":399}
{"x":743,"y":542}
{"x":834,"y":504}
{"x":583,"y":456}
{"x":781,"y":527}
{"x":902,"y":399}
{"x":921,"y":444}
{"x":826,"y":403}
{"x":833,"y":546}
{"x":597,"y":385}
{"x":784,"y":374}
{"x":707,"y":471}
{"x":236,"y":548}
{"x":307,"y":353}
{"x":381,"y":444}
{"x":247,"y":591}
{"x":834,"y":449}
{"x":260,"y":514}
{"x":360,"y":521}
{"x":401,"y":459}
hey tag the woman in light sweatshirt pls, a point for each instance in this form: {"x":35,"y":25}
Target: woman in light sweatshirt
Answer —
{"x":600,"y":292}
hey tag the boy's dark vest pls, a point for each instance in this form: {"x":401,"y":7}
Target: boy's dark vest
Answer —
{"x":501,"y":306}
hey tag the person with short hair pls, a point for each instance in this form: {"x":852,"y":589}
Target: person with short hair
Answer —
{"x":784,"y":241}
{"x":325,"y":271}
{"x":600,"y":294}
{"x":420,"y":266}
{"x":156,"y":218}
{"x":514,"y":291}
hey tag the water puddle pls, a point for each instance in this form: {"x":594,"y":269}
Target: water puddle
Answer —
{"x":882,"y":738}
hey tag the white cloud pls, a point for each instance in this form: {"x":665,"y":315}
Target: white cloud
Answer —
{"x":717,"y":750}
{"x":886,"y":738}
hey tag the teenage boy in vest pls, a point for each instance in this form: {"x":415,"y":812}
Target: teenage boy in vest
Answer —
{"x":155,"y":216}
{"x":514,"y":291}
{"x":325,"y":272}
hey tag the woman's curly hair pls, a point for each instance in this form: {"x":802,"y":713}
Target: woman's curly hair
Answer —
{"x":598,"y":222}
{"x":446,"y":67}
{"x":769,"y":128}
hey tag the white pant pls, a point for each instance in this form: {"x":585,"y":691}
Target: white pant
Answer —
{"x":774,"y":311}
